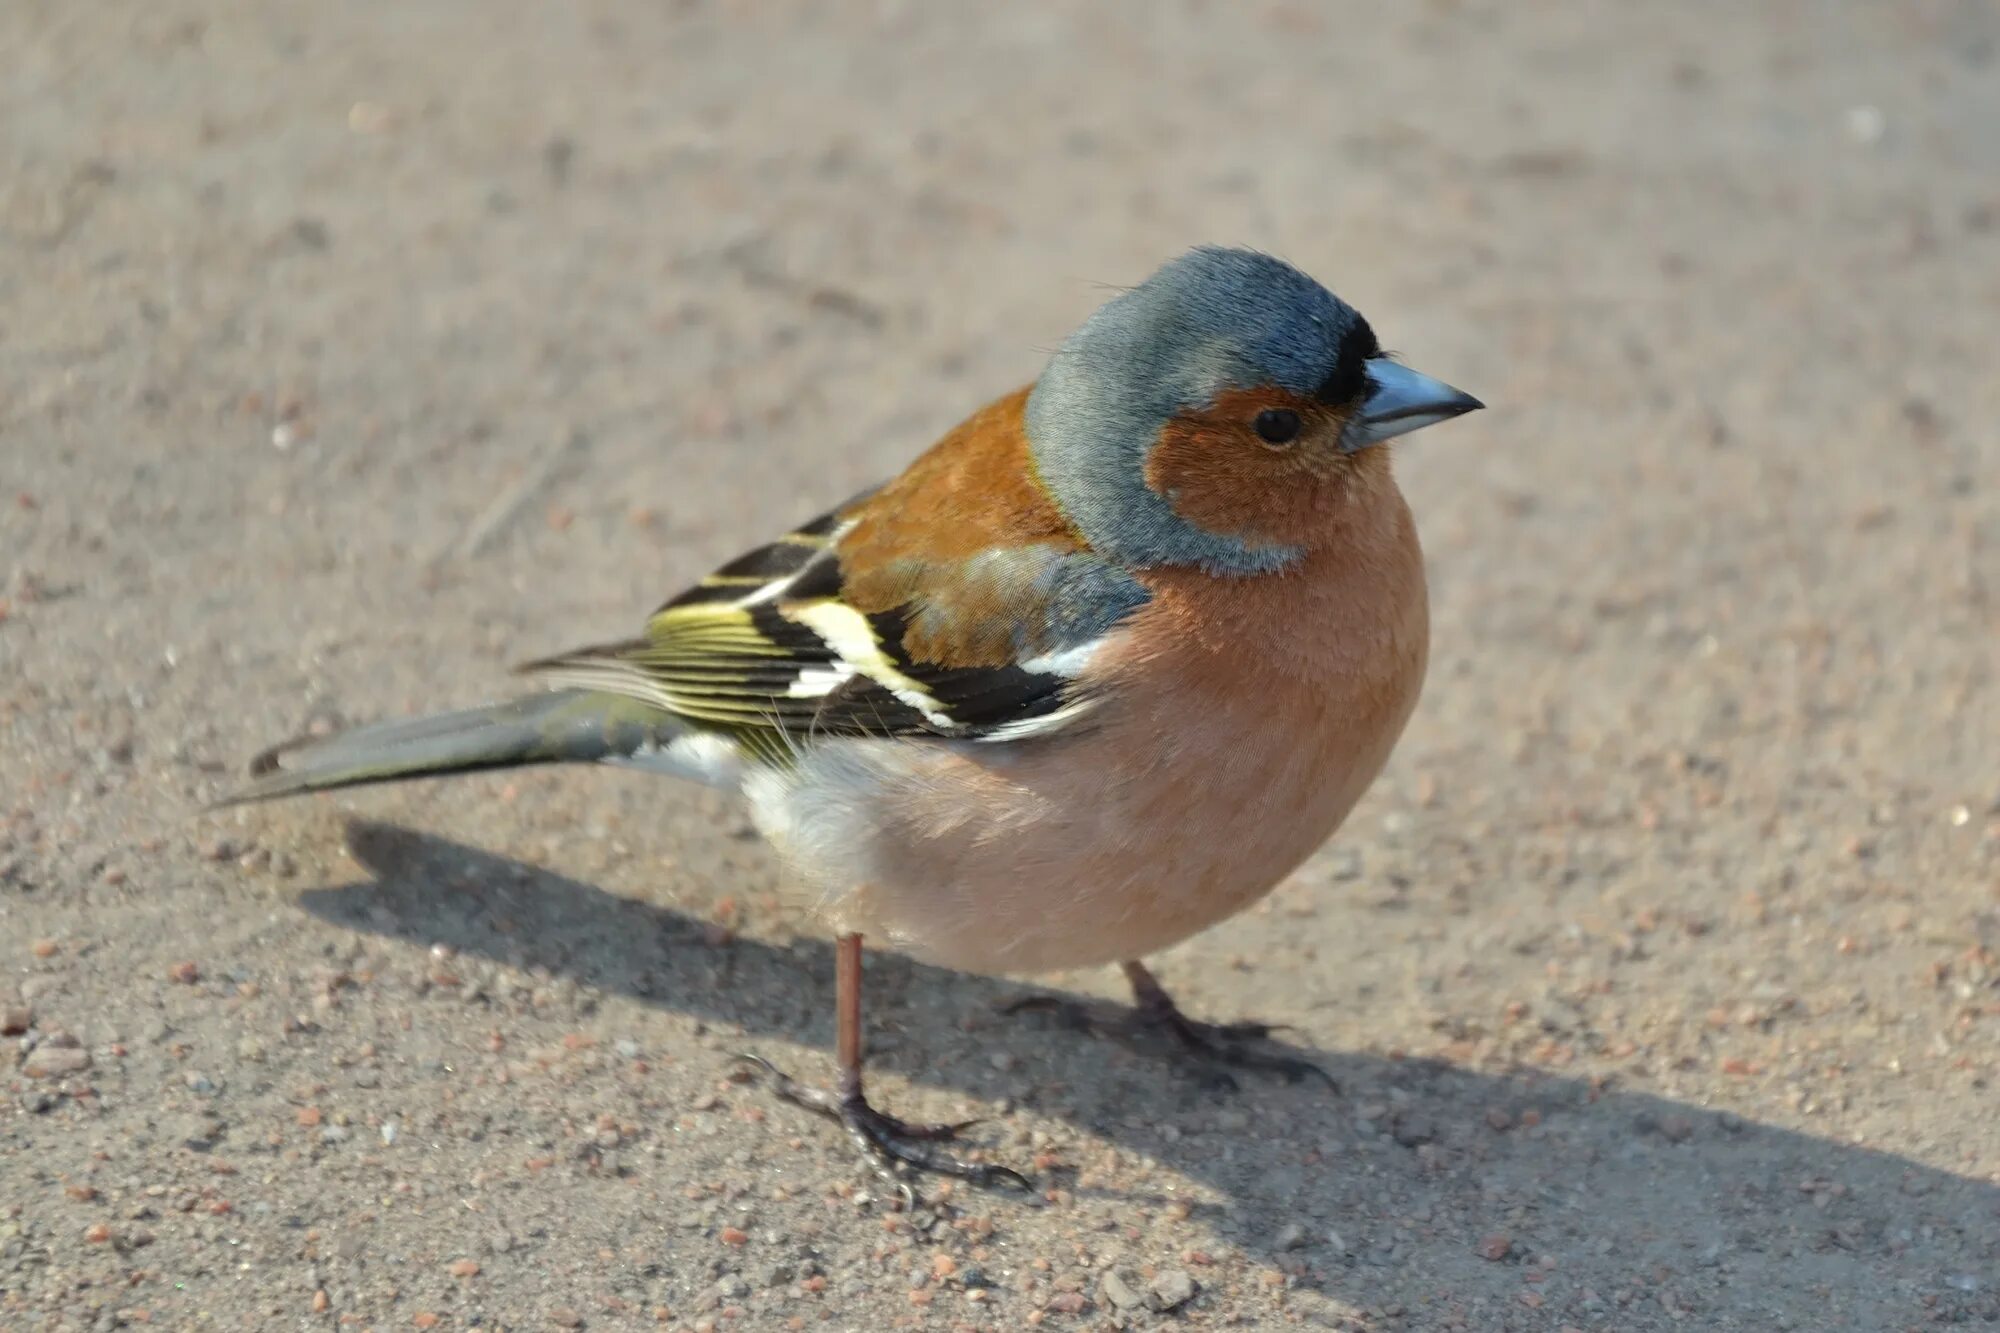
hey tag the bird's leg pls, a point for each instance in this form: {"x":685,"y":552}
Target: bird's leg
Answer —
{"x":1215,"y":1048}
{"x":890,"y":1145}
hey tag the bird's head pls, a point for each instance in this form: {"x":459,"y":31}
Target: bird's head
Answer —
{"x":1218,"y":413}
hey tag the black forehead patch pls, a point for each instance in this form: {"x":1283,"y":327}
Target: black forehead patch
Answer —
{"x":1349,"y":378}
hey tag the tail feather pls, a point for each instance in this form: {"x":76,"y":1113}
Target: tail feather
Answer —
{"x":565,"y":726}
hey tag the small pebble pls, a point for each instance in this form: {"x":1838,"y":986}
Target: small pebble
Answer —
{"x":47,"y":1061}
{"x":1413,"y":1131}
{"x":1171,"y":1290}
{"x":1117,"y":1291}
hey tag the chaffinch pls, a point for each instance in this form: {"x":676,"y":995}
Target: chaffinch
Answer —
{"x":1092,"y":674}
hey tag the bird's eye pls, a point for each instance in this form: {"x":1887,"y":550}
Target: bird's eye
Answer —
{"x":1277,"y":425}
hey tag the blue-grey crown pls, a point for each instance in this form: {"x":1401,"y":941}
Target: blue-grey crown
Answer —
{"x":1210,"y":320}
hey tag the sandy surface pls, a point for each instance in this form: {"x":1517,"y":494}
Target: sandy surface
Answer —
{"x":351,"y":352}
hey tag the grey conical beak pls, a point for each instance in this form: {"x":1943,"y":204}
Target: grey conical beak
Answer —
{"x":1399,"y":401}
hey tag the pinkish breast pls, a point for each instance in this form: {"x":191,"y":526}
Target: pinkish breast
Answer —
{"x":1242,"y":721}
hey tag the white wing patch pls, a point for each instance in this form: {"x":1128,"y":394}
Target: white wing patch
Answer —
{"x":779,"y":586}
{"x":1068,"y":662}
{"x":816,"y":682}
{"x":847,"y":632}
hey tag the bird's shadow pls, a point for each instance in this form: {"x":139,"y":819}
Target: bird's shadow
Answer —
{"x":1417,"y":1162}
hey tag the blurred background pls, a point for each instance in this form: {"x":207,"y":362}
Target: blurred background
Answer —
{"x":349,"y":353}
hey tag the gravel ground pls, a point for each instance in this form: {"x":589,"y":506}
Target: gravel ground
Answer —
{"x":351,"y":352}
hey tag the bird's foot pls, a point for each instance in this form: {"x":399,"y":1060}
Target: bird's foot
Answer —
{"x":1210,"y":1050}
{"x":894,"y":1148}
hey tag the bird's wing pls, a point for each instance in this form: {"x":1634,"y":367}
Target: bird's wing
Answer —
{"x":956,"y":601}
{"x":790,"y":643}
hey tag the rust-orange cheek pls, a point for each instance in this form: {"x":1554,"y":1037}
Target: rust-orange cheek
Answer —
{"x":1217,"y":474}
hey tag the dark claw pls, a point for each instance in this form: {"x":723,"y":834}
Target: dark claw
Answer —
{"x":886,"y":1141}
{"x":1213,"y":1048}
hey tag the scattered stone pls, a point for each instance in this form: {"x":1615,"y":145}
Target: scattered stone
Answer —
{"x":1495,"y":1248}
{"x":1413,"y":1131}
{"x":1171,"y":1290}
{"x":47,"y":1061}
{"x":184,"y":973}
{"x":564,"y":1317}
{"x":465,"y":1268}
{"x":1291,"y":1236}
{"x":16,"y":1019}
{"x":1118,"y":1292}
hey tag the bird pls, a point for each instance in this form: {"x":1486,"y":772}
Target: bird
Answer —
{"x":1095,"y":672}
